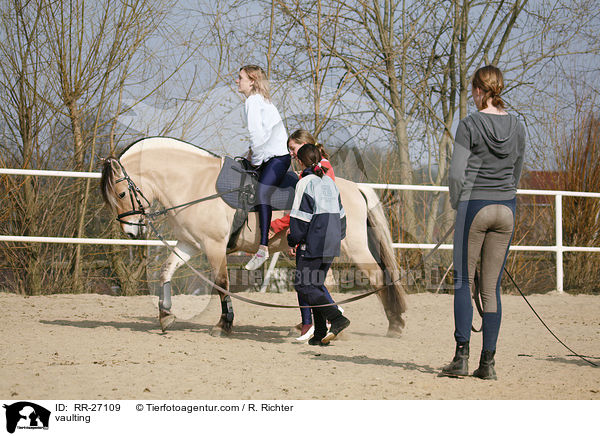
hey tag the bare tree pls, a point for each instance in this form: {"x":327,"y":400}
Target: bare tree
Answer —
{"x":90,"y":50}
{"x":24,"y":116}
{"x":413,"y":60}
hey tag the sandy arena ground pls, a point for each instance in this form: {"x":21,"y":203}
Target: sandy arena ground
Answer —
{"x":101,"y":347}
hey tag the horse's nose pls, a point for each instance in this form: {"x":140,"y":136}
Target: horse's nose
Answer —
{"x":131,"y":235}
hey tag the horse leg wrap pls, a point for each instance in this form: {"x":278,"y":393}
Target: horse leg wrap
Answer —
{"x":164,"y":302}
{"x":227,"y":308}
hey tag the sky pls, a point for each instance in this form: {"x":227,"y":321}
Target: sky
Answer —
{"x":211,"y":115}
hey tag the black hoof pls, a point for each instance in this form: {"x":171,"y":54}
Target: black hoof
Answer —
{"x":222,"y":329}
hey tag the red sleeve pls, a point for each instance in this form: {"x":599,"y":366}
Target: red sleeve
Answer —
{"x":326,"y":164}
{"x":281,"y":224}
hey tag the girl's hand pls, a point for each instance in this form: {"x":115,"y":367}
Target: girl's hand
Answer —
{"x":291,"y":251}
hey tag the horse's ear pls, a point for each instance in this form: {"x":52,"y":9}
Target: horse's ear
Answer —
{"x":114,"y":164}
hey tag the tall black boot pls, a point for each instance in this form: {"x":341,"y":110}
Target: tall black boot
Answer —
{"x":486,"y":370}
{"x":320,"y":327}
{"x":460,"y":363}
{"x":338,"y":321}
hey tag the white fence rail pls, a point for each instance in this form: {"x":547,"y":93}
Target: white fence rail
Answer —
{"x":558,"y":248}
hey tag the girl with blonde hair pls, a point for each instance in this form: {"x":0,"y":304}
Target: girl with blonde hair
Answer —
{"x":267,"y":151}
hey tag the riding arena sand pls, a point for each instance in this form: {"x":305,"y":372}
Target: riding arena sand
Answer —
{"x":95,"y":346}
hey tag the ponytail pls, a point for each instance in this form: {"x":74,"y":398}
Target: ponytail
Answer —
{"x":319,"y":170}
{"x":310,"y":157}
{"x":321,"y":149}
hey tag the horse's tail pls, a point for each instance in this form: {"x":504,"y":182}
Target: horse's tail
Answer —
{"x":380,"y":245}
{"x":107,"y":183}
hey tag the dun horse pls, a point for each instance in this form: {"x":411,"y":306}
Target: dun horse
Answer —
{"x":174,"y":172}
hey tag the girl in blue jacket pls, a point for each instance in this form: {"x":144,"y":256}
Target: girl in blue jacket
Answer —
{"x":318,"y":224}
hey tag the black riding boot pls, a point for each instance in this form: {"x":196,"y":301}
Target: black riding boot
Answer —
{"x":338,"y":321}
{"x":486,"y":369}
{"x":320,"y":324}
{"x":460,"y":363}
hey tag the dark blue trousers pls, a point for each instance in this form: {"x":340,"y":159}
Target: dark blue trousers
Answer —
{"x":483,"y":231}
{"x":306,"y":312}
{"x":309,"y":282}
{"x":271,"y":174}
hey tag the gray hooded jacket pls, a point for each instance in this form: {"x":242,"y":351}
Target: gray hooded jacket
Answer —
{"x":487,"y":158}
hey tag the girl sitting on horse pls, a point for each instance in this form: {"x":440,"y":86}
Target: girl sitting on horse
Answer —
{"x":317,"y":225}
{"x":267,"y":151}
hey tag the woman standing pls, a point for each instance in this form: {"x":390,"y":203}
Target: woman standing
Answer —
{"x":484,"y":174}
{"x":268,"y":151}
{"x":318,"y":224}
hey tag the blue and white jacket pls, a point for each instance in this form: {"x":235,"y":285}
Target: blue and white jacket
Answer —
{"x":317,"y":219}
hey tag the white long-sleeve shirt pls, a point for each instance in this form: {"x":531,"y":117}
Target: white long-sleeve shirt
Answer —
{"x":268,"y":137}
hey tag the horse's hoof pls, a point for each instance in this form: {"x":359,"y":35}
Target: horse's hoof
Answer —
{"x":216,"y":332}
{"x":166,"y":320}
{"x":394,"y":333}
{"x":220,"y":331}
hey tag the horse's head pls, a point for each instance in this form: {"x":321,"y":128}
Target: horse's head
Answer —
{"x":123,"y":197}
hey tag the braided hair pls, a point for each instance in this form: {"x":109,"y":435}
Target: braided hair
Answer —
{"x":489,"y":79}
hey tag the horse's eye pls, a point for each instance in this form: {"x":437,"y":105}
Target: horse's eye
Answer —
{"x":122,"y":195}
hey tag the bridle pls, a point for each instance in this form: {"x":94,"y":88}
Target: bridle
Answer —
{"x":137,"y":207}
{"x":135,"y":196}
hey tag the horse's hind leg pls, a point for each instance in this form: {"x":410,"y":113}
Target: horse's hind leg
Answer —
{"x":181,"y":255}
{"x":366,"y":263}
{"x":216,"y":256}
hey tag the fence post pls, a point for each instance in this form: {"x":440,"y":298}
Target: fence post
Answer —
{"x":559,"y":244}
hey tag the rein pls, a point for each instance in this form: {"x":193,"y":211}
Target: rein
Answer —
{"x":135,"y":193}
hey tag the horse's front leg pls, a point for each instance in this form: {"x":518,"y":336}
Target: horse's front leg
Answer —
{"x":177,"y":258}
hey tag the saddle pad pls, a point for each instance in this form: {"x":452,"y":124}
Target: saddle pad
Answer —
{"x":233,"y":175}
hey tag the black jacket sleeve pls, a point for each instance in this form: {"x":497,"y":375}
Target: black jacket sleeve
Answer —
{"x":298,"y":231}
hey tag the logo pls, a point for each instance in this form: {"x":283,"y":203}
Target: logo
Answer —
{"x":26,"y":415}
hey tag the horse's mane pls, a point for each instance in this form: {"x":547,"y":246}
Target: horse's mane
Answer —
{"x":107,"y":182}
{"x":165,"y":142}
